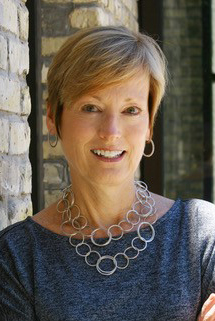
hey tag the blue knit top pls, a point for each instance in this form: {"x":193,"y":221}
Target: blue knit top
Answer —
{"x":43,"y":278}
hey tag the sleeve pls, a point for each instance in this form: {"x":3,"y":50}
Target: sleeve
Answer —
{"x":208,"y":279}
{"x":207,"y":227}
{"x":16,"y":303}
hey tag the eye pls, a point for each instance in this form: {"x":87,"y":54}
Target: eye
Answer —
{"x":132,"y":110}
{"x":90,"y":108}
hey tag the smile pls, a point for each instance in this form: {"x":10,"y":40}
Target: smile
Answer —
{"x":108,"y":153}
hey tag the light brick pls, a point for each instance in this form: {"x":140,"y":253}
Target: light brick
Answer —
{"x":53,"y":173}
{"x":112,"y":21}
{"x":89,"y":17}
{"x":52,"y":196}
{"x":111,"y":6}
{"x":25,"y":178}
{"x":125,"y":16}
{"x":24,"y":59}
{"x":9,"y":177}
{"x":15,"y":168}
{"x":9,"y":95}
{"x":19,"y":209}
{"x":132,"y":6}
{"x":19,"y":138}
{"x":133,"y":25}
{"x":8,"y":16}
{"x":51,"y":45}
{"x":23,"y":17}
{"x":49,"y":152}
{"x":4,"y":135}
{"x":3,"y":53}
{"x":45,"y":94}
{"x":84,"y":1}
{"x":26,"y":101}
{"x":118,"y":9}
{"x":14,"y":54}
{"x":104,"y":3}
{"x":3,"y":216}
{"x":44,"y":73}
{"x":57,"y":1}
{"x":45,"y":129}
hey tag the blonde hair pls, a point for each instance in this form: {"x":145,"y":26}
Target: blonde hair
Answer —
{"x":98,"y":57}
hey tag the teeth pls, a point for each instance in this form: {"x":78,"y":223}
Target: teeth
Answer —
{"x":107,"y":153}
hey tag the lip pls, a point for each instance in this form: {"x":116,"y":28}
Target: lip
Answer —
{"x":109,"y":160}
{"x":108,"y":148}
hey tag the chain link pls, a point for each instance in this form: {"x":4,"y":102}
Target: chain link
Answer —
{"x":132,"y":218}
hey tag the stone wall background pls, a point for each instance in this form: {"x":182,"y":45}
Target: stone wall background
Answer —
{"x":213,"y":89}
{"x":183,"y":105}
{"x":15,"y":168}
{"x":72,"y":15}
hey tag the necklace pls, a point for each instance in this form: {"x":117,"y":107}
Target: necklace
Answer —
{"x":132,"y":218}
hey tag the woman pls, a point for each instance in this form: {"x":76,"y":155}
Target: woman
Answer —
{"x":108,"y":249}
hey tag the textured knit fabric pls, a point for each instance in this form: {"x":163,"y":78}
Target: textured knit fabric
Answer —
{"x":42,"y":277}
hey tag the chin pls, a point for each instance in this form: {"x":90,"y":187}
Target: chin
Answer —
{"x":110,"y":179}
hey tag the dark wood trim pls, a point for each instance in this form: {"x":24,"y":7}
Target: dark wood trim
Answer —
{"x":207,"y":98}
{"x":151,"y":22}
{"x":35,"y":118}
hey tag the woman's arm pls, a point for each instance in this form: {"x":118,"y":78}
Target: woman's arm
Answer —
{"x":208,"y":310}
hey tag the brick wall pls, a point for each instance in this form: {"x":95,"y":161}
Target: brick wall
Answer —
{"x":72,"y":15}
{"x":15,"y":168}
{"x":183,"y":116}
{"x":213,"y":91}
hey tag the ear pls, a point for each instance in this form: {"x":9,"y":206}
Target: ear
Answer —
{"x":50,"y":120}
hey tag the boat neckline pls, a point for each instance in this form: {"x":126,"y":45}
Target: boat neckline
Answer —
{"x":157,"y":222}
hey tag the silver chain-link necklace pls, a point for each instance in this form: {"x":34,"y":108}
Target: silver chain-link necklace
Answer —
{"x":145,"y":230}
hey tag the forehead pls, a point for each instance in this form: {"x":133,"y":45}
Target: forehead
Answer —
{"x":134,"y":87}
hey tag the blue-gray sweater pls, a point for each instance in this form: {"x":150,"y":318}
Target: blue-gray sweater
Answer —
{"x":42,"y":277}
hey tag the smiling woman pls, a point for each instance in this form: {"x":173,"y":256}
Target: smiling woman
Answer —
{"x":108,"y":249}
{"x":108,"y":132}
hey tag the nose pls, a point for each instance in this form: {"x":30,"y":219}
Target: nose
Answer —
{"x":110,"y":128}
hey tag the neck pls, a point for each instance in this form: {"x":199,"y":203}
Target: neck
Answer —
{"x":103,"y":206}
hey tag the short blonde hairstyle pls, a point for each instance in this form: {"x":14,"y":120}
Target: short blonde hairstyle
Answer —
{"x":95,"y":58}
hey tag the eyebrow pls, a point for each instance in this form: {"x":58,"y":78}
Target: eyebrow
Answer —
{"x":96,"y":97}
{"x":126,"y":100}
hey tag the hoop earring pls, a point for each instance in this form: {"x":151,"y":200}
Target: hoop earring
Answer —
{"x":153,"y":149}
{"x":52,"y":143}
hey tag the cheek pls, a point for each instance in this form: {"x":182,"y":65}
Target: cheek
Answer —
{"x":75,"y":127}
{"x":140,"y":130}
{"x":138,"y":136}
{"x":76,"y":135}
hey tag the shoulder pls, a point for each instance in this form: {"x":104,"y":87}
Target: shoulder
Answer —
{"x":15,"y":229}
{"x":203,"y":211}
{"x":193,"y":215}
{"x":196,"y":212}
{"x":201,"y":216}
{"x":200,"y":209}
{"x":16,"y":243}
{"x":26,"y":231}
{"x":16,"y":237}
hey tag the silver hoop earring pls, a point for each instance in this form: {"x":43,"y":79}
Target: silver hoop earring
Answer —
{"x":52,"y":143}
{"x":153,"y":149}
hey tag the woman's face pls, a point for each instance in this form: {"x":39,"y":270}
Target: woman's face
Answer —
{"x":104,"y":134}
